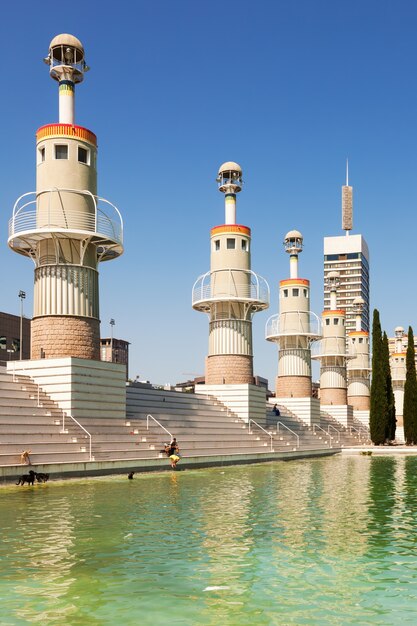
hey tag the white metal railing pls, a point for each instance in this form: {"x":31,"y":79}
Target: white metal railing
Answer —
{"x":148,"y":417}
{"x":291,"y":431}
{"x":82,"y":428}
{"x":303,"y":323}
{"x":104,"y":218}
{"x":330,"y":426}
{"x":330,"y":347}
{"x":251,"y":421}
{"x":359,"y":431}
{"x":327,"y":434}
{"x":230,"y":283}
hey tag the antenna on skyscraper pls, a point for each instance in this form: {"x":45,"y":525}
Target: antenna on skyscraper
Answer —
{"x":347,"y":203}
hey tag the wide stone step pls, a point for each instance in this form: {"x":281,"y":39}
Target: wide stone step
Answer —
{"x":38,"y":459}
{"x":44,"y":447}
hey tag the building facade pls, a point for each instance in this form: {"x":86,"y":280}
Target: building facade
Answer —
{"x":348,"y":255}
{"x":115,"y":351}
{"x":10,"y":337}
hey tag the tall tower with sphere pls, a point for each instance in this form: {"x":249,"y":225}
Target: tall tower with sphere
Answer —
{"x":332,"y":354}
{"x":64,"y":226}
{"x":358,"y":367}
{"x":294,"y":328}
{"x":230,"y":293}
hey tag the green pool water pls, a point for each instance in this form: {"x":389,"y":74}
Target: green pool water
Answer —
{"x":324,"y":541}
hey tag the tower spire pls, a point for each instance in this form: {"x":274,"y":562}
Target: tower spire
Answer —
{"x":347,"y":203}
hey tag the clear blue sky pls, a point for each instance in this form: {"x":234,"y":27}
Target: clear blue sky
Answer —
{"x":286,"y":89}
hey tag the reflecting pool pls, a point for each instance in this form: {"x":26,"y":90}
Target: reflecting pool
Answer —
{"x":324,"y":541}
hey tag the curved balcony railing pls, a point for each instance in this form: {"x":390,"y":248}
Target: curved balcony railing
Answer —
{"x":293,"y":323}
{"x":50,"y":211}
{"x":231,"y":284}
{"x":328,"y":347}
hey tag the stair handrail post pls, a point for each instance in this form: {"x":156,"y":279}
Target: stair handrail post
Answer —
{"x":338,"y":432}
{"x":63,"y":421}
{"x":84,"y":429}
{"x":291,"y":431}
{"x":250,"y":432}
{"x":322,"y":429}
{"x":159,"y":424}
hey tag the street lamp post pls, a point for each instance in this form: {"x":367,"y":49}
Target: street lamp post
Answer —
{"x":112,"y":323}
{"x":22,"y":296}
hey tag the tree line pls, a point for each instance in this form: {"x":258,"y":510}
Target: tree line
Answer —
{"x":382,"y":419}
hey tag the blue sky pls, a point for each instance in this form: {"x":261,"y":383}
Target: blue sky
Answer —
{"x":286,"y":89}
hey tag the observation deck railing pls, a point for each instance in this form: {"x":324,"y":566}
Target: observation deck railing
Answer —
{"x":231,"y":284}
{"x":291,"y":323}
{"x":330,"y":347}
{"x":30,"y":218}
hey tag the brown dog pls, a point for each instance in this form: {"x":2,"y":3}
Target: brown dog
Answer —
{"x":42,"y":478}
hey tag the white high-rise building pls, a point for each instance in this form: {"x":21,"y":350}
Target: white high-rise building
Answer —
{"x":348,"y":255}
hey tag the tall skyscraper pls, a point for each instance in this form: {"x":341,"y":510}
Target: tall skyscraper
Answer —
{"x":349,"y":255}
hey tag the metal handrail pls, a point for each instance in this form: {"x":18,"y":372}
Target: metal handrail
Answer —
{"x":358,"y":430}
{"x":78,"y":424}
{"x":265,"y":431}
{"x":338,"y":432}
{"x":159,"y":424}
{"x":291,"y":431}
{"x":24,"y":217}
{"x":322,"y":429}
{"x":290,"y":323}
{"x":250,"y":286}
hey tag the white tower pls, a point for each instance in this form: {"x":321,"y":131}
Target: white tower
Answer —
{"x":230,"y":293}
{"x":358,"y":368}
{"x":398,"y":371}
{"x":294,"y":328}
{"x":64,"y":227}
{"x":331,"y":350}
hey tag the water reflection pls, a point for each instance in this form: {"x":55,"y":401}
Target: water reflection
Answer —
{"x":326,"y":541}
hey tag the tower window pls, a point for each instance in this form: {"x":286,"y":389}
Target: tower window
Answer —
{"x":217,"y":244}
{"x":305,"y":293}
{"x":244,"y":245}
{"x":336,"y":321}
{"x":83,"y":155}
{"x":61,"y":151}
{"x":295,"y":292}
{"x":41,"y":154}
{"x":231,"y":244}
{"x":285,"y":293}
{"x":327,"y":321}
{"x":360,"y":339}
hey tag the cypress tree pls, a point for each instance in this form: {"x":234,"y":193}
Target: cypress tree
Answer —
{"x":410,"y":393}
{"x":391,"y":420}
{"x":379,"y":405}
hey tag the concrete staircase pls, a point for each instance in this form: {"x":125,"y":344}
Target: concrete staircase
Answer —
{"x":358,"y":435}
{"x":30,"y":420}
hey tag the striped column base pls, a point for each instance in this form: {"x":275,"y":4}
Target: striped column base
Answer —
{"x":56,"y":336}
{"x":359,"y":403}
{"x":293,"y":387}
{"x":229,"y":369}
{"x":333,"y":396}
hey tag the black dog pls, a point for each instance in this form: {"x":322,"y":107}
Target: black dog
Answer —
{"x":27,"y":478}
{"x":42,"y":478}
{"x":130,"y":475}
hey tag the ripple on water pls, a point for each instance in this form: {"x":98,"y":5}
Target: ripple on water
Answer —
{"x":325,"y":541}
